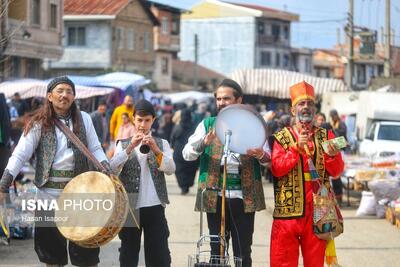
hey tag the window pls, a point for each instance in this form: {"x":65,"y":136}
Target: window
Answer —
{"x":278,"y":60}
{"x":53,"y":16}
{"x":308,"y":65}
{"x":276,"y":31}
{"x":36,"y":12}
{"x":76,"y":36}
{"x":286,"y":60}
{"x":260,"y":27}
{"x":371,"y":132}
{"x":130,"y":36}
{"x":15,"y":67}
{"x":361,"y":79}
{"x":164,"y":25}
{"x":120,"y":38}
{"x":286,"y":32}
{"x":146,"y":42}
{"x":327,"y":74}
{"x":32,"y":67}
{"x":389,"y":132}
{"x":164,"y":65}
{"x":265,"y":58}
{"x":175,"y":25}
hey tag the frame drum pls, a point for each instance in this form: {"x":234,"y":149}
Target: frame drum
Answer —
{"x":247,"y":126}
{"x":92,"y":209}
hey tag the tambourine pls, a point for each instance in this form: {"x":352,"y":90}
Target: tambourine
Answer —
{"x":248,"y":128}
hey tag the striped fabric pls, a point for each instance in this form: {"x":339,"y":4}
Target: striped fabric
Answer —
{"x":28,"y":88}
{"x":275,"y":83}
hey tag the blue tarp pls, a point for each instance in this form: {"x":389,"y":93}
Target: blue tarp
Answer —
{"x":121,"y":80}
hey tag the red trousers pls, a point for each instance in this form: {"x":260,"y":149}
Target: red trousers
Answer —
{"x":287,"y":235}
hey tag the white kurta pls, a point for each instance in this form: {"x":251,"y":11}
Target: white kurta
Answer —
{"x":64,"y":157}
{"x":147,"y":192}
{"x":233,"y":160}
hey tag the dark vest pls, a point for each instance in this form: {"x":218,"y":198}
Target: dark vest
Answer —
{"x":46,"y":152}
{"x":130,"y":174}
{"x":289,"y":190}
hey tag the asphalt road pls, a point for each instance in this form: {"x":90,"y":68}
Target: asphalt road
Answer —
{"x":366,"y":242}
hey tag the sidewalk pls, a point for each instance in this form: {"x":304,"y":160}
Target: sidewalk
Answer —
{"x":366,"y":242}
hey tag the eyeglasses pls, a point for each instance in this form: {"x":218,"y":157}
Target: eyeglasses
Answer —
{"x":64,"y":91}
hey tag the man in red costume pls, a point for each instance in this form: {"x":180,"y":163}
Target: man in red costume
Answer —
{"x":293,"y":213}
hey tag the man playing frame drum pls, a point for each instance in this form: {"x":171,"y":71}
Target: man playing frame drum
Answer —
{"x":57,"y":162}
{"x":142,"y":161}
{"x":244,"y":188}
{"x":293,"y":186}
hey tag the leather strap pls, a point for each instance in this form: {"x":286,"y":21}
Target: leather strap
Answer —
{"x":78,"y":143}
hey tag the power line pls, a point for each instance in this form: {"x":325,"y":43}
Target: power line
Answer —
{"x":252,"y":23}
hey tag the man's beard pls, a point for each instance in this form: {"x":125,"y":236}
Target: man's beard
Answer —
{"x":305,"y":116}
{"x":219,"y":108}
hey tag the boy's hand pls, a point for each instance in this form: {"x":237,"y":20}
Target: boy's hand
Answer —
{"x":135,"y":141}
{"x":148,"y":140}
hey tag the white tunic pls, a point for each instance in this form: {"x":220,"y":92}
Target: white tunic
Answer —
{"x":64,"y":157}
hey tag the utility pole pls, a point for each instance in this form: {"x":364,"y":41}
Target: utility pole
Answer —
{"x":195,"y":71}
{"x":351,"y":44}
{"x":386,"y":66}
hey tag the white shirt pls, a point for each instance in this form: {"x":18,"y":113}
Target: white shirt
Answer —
{"x":64,"y":157}
{"x":233,"y":160}
{"x":147,"y":192}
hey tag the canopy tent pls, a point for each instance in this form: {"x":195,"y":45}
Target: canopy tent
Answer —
{"x":275,"y":83}
{"x":28,"y":88}
{"x":120,"y":80}
{"x":187,"y":96}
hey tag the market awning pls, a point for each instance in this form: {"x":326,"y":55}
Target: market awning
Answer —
{"x":120,"y":80}
{"x":275,"y":83}
{"x":187,"y":96}
{"x":28,"y":88}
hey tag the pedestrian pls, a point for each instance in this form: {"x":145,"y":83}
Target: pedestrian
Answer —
{"x":201,"y":113}
{"x":126,"y":129}
{"x":339,"y":128}
{"x":165,"y":128}
{"x":185,"y":170}
{"x":5,"y":132}
{"x":337,"y":125}
{"x":116,"y":117}
{"x":100,"y":124}
{"x":143,"y":176}
{"x":243,"y":183}
{"x":19,"y":104}
{"x":57,"y":162}
{"x":320,"y":120}
{"x":293,"y":214}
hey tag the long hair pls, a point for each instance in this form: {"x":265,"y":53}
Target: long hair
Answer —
{"x":45,"y":117}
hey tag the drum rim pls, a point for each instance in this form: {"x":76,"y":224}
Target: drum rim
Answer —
{"x":120,"y":190}
{"x":246,"y":107}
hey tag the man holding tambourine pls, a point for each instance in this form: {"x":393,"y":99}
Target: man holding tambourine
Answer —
{"x":244,"y":191}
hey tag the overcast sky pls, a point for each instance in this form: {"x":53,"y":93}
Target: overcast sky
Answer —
{"x":313,"y":30}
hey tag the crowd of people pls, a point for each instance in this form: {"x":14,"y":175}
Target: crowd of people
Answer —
{"x":141,"y":143}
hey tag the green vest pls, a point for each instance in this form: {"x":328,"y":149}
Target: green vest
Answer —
{"x":249,"y":179}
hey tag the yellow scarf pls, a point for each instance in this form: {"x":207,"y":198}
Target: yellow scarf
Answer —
{"x":330,"y":254}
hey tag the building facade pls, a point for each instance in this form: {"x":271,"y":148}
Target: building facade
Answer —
{"x":30,"y":34}
{"x":166,"y":43}
{"x":102,"y":36}
{"x":236,"y":36}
